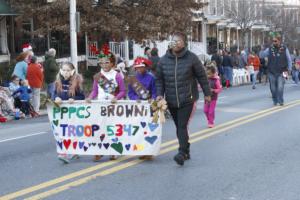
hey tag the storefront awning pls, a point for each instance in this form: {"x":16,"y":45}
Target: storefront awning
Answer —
{"x":5,"y":9}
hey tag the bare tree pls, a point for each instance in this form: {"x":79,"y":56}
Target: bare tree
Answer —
{"x":244,"y":13}
{"x":138,"y":19}
{"x":283,"y":19}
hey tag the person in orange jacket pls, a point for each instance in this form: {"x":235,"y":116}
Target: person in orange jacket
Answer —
{"x":253,"y":67}
{"x":35,"y":79}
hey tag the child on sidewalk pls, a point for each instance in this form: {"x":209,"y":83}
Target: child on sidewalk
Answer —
{"x":68,"y":86}
{"x":23,"y":94}
{"x":13,"y":86}
{"x":108,"y":83}
{"x":142,"y":86}
{"x":216,"y":88}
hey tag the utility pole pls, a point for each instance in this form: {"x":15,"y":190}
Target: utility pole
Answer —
{"x":73,"y":34}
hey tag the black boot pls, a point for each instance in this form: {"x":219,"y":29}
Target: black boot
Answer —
{"x":180,"y":158}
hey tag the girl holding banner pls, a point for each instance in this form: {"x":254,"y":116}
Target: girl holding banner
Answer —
{"x":108,"y":83}
{"x":68,"y":86}
{"x":142,"y":86}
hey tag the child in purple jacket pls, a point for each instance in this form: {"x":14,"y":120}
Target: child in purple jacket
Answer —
{"x":142,"y":86}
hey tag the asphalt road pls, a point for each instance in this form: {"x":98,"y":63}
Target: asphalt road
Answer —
{"x":252,"y":154}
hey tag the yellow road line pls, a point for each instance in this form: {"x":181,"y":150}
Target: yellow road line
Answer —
{"x":109,"y":163}
{"x":62,"y":179}
{"x":135,"y":162}
{"x":232,"y":122}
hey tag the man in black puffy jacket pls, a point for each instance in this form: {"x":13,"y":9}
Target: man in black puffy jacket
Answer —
{"x":178,"y":72}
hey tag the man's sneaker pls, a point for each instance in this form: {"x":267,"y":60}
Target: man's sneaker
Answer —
{"x":253,"y":87}
{"x":64,"y":159}
{"x":281,"y":104}
{"x":180,"y":158}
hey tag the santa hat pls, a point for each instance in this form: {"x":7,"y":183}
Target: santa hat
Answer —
{"x":141,"y":62}
{"x":26,"y":47}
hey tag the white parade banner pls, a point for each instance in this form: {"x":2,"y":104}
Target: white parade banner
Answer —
{"x":103,"y":128}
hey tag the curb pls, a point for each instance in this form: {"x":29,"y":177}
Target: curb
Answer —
{"x":42,"y":112}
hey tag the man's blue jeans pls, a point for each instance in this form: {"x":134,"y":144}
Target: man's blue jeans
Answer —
{"x":295,"y":74}
{"x":50,"y":90}
{"x":277,"y":87}
{"x":228,"y":73}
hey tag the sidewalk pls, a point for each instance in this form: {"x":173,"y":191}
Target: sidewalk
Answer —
{"x":42,"y":112}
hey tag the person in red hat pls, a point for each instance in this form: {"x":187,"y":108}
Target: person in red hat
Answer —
{"x":142,"y":85}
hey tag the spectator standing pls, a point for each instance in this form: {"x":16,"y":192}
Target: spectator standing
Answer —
{"x":242,"y":60}
{"x":218,"y":60}
{"x":154,"y":59}
{"x":51,"y":69}
{"x":228,"y":68}
{"x":20,"y":69}
{"x":253,"y":61}
{"x":35,"y":79}
{"x":147,"y":52}
{"x":296,"y":67}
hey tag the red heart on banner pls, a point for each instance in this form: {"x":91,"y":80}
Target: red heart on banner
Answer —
{"x":67,"y":143}
{"x":74,"y":145}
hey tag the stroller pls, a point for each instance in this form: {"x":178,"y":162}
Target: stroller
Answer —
{"x":25,"y":107}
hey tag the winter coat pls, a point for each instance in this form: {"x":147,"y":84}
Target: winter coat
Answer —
{"x":35,"y":76}
{"x":64,"y":94}
{"x":254,"y":60}
{"x":227,"y":61}
{"x":278,"y":60}
{"x":21,"y":70}
{"x":215,"y":85}
{"x":51,"y":69}
{"x":23,"y":93}
{"x":218,"y":59}
{"x":177,"y":76}
{"x":148,"y":81}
